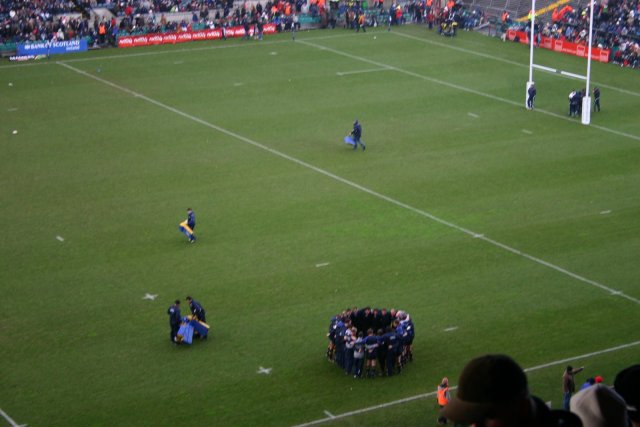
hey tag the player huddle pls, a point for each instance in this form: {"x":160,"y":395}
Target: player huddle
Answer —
{"x":369,"y":342}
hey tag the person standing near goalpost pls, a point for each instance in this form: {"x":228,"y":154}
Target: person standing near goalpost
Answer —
{"x":532,"y":96}
{"x":596,"y":97}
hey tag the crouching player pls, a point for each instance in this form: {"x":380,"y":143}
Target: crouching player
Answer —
{"x":187,"y":226}
{"x":197,"y":310}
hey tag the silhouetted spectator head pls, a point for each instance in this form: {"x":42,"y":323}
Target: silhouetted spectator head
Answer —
{"x":600,"y":406}
{"x":627,"y":384}
{"x":493,"y":391}
{"x":490,"y":386}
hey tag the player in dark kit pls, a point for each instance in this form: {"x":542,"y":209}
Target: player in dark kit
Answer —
{"x":532,"y":96}
{"x":371,"y":353}
{"x":596,"y":97}
{"x":191,"y":222}
{"x":174,"y":319}
{"x":191,"y":219}
{"x":186,"y":227}
{"x":393,"y":344}
{"x":579,"y":95}
{"x":356,"y":133}
{"x":572,"y":103}
{"x":383,"y":347}
{"x":197,"y":310}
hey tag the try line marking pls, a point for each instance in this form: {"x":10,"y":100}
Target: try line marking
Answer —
{"x":369,"y":70}
{"x":433,"y":393}
{"x":506,"y":61}
{"x":352,"y":184}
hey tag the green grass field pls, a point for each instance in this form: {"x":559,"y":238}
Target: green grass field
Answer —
{"x":518,"y":228}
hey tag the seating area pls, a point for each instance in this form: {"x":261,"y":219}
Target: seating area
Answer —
{"x":616,"y":27}
{"x":101,"y":22}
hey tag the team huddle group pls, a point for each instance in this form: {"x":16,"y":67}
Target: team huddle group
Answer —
{"x":361,"y":340}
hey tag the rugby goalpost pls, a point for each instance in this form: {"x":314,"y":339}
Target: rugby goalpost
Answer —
{"x":586,"y":100}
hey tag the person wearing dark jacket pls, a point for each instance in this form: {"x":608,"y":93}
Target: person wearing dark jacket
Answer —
{"x":174,"y":319}
{"x":356,"y":133}
{"x":197,"y":310}
{"x":531,"y":92}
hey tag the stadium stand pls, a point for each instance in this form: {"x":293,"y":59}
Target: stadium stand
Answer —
{"x":616,"y":23}
{"x":101,"y":22}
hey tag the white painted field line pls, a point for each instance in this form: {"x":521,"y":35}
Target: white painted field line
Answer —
{"x":335,"y":36}
{"x":506,"y":61}
{"x":433,"y":393}
{"x":329,"y":414}
{"x":370,"y":408}
{"x":194,"y":49}
{"x":527,"y":131}
{"x":198,"y":49}
{"x":351,"y":183}
{"x":154,"y":53}
{"x":453,"y":328}
{"x":465,"y":89}
{"x":173,"y":52}
{"x":583,"y":356}
{"x":473,"y":115}
{"x":369,"y":70}
{"x":10,"y":420}
{"x":60,"y":238}
{"x":322,"y":264}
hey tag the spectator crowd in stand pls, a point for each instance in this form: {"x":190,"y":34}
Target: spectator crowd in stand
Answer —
{"x":54,"y":20}
{"x":370,"y":342}
{"x":37,"y":20}
{"x":616,"y":26}
{"x":616,"y":22}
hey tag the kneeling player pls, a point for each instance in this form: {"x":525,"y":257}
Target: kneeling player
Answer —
{"x":187,"y":226}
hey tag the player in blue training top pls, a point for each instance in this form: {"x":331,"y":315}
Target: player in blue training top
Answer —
{"x":393,"y":344}
{"x":357,"y":134}
{"x":371,"y":353}
{"x":188,"y":225}
{"x":531,"y":92}
{"x":197,"y":310}
{"x":191,"y":219}
{"x":174,"y":320}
